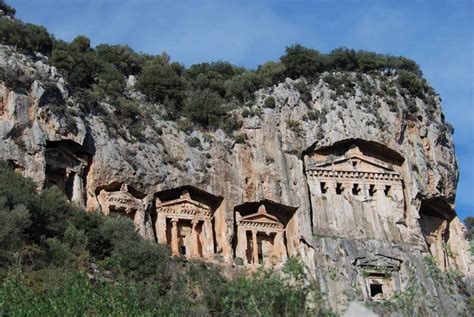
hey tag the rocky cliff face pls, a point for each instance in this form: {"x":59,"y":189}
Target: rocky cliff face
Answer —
{"x":388,"y":235}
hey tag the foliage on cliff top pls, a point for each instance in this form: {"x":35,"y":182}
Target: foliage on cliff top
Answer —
{"x":204,"y":93}
{"x":56,"y":259}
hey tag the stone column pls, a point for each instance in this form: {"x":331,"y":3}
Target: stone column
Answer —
{"x":77,"y":190}
{"x":194,"y":239}
{"x":174,"y":237}
{"x":279,"y":249}
{"x":254,"y":247}
{"x":241,"y":244}
{"x":208,"y":247}
{"x":160,"y":227}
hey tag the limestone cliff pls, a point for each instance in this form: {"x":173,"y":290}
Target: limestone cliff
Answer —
{"x":351,"y":234}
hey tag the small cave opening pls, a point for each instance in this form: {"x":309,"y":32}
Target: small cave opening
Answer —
{"x":324,"y":188}
{"x":372,"y":190}
{"x":355,"y":189}
{"x":339,"y":189}
{"x":376,"y":290}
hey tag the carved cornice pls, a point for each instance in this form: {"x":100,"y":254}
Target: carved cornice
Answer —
{"x":355,"y":175}
{"x":260,"y":225}
{"x":184,"y":210}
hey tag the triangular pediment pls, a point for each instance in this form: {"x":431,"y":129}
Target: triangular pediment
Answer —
{"x":261,"y":217}
{"x":351,"y":158}
{"x":378,"y":260}
{"x":184,"y":202}
{"x":122,"y":194}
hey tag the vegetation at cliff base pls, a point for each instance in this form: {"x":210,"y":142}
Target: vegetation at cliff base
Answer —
{"x":56,"y":259}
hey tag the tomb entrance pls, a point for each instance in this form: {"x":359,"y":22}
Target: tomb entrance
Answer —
{"x":184,"y":221}
{"x":261,"y":232}
{"x":378,"y":275}
{"x":66,"y":168}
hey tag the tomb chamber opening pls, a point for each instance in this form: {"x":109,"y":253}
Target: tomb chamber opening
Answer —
{"x":67,"y":165}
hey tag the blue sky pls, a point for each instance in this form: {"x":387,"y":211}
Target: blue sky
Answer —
{"x":438,"y":35}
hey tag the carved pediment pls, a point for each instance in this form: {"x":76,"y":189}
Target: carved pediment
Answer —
{"x":378,"y":262}
{"x":184,"y":206}
{"x":353,"y":162}
{"x":120,"y":200}
{"x":260,"y":220}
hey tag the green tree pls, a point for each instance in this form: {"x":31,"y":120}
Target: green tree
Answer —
{"x":122,"y":57}
{"x":7,"y":10}
{"x":158,"y":82}
{"x":270,"y":73}
{"x":204,"y":107}
{"x":241,"y":86}
{"x":469,"y":223}
{"x":342,"y":59}
{"x":301,"y":61}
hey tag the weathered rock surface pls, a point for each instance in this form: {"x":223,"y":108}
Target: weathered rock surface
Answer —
{"x":272,"y":164}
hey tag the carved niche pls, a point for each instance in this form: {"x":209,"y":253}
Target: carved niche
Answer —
{"x":66,"y":167}
{"x":353,"y":182}
{"x":185,"y":221}
{"x":378,"y":275}
{"x":262,"y":232}
{"x":435,"y":219}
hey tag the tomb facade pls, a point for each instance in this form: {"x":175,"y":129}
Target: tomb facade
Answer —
{"x":261,"y":232}
{"x":123,"y":200}
{"x":356,"y":192}
{"x":379,"y":276}
{"x":185,"y":222}
{"x":66,"y":168}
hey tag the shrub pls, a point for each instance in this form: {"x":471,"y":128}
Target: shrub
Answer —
{"x":294,"y":125}
{"x":270,"y":73}
{"x":194,"y":142}
{"x":158,"y":82}
{"x":314,"y":114}
{"x":269,"y":102}
{"x":184,"y":125}
{"x":122,"y":57}
{"x":241,"y":86}
{"x":246,"y":113}
{"x":411,"y":82}
{"x":301,"y":61}
{"x":240,"y":138}
{"x":305,"y":92}
{"x":7,"y":10}
{"x":204,"y":107}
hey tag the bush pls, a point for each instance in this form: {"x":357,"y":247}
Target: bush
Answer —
{"x":294,"y":125}
{"x":240,"y":138}
{"x":125,"y":60}
{"x":270,"y":73}
{"x":29,"y":38}
{"x":270,"y":102}
{"x":204,"y":107}
{"x":305,"y":92}
{"x":241,"y":86}
{"x":194,"y":142}
{"x":301,"y":61}
{"x":411,"y":82}
{"x":158,"y":82}
{"x":7,"y":10}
